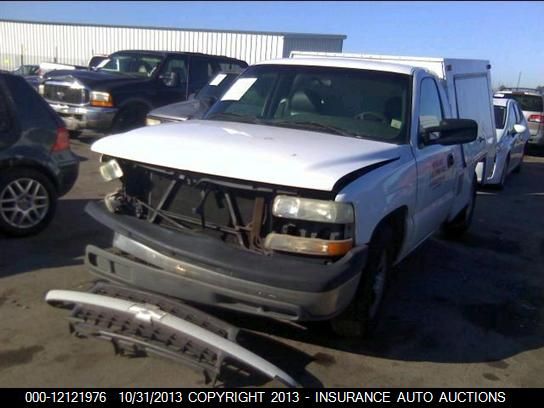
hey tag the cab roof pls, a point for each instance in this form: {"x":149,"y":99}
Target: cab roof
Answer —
{"x":339,"y":62}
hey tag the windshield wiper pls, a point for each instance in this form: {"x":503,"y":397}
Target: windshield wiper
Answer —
{"x":312,"y":125}
{"x":234,"y":117}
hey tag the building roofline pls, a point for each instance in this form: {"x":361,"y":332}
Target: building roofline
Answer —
{"x":279,"y":33}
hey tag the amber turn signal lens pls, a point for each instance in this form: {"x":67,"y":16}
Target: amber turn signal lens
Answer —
{"x":308,"y":246}
{"x":104,"y":104}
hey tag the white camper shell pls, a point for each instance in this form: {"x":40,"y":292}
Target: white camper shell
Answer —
{"x":468,"y":86}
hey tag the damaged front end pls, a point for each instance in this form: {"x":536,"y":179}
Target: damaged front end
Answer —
{"x":270,"y":250}
{"x":251,"y":216}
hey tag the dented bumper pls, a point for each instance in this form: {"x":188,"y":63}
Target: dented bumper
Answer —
{"x":201,"y":269}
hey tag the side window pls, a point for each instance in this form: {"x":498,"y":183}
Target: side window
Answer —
{"x":231,"y":67}
{"x":201,"y":71}
{"x":430,"y":107}
{"x":177,"y":67}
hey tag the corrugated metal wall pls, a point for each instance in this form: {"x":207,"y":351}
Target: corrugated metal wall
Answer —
{"x":75,"y":44}
{"x":310,"y":44}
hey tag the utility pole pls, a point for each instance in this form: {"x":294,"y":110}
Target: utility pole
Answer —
{"x":519,"y":78}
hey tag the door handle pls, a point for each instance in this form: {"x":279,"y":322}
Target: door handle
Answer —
{"x":481,"y":139}
{"x":451,"y":160}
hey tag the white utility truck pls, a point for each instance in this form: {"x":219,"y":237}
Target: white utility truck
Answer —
{"x":300,"y":189}
{"x":470,"y":95}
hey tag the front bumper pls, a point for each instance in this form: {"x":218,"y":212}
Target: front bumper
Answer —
{"x":85,"y":117}
{"x":201,"y":269}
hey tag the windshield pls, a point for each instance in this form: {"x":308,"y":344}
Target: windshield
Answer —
{"x":131,"y":63}
{"x":215,"y":88}
{"x":531,"y":103}
{"x":500,"y":116}
{"x":343,"y":101}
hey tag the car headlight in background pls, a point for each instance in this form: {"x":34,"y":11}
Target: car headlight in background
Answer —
{"x":41,"y":89}
{"x":111,"y":170}
{"x":152,"y":121}
{"x":312,"y":210}
{"x":102,"y":99}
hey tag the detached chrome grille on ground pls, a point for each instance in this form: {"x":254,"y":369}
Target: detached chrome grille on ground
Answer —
{"x":140,"y":323}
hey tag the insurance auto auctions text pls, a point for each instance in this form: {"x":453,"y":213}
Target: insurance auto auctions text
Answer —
{"x":347,"y":396}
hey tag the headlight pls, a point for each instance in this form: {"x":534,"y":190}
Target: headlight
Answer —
{"x":312,"y":210}
{"x":152,"y":121}
{"x":111,"y":170}
{"x":41,"y":89}
{"x":102,"y":99}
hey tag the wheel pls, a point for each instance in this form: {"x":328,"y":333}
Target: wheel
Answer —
{"x":28,"y":200}
{"x":360,"y":316}
{"x":130,"y":117}
{"x":461,"y":223}
{"x":504,"y":174}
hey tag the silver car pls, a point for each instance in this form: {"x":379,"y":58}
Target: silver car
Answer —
{"x":532,"y":104}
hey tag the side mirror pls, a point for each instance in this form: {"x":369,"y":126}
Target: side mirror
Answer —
{"x":170,"y":79}
{"x":519,"y":129}
{"x":451,"y":132}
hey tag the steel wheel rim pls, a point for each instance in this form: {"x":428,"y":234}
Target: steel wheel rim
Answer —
{"x":378,"y":285}
{"x":24,"y":203}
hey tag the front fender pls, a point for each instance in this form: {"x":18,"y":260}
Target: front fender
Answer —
{"x":381,"y":191}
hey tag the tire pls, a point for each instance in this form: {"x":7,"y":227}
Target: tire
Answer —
{"x":130,"y":117}
{"x":461,"y":223}
{"x":360,"y":317}
{"x":28,"y":200}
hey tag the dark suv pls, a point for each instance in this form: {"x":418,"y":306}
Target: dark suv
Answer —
{"x":118,"y":95}
{"x":36,"y":163}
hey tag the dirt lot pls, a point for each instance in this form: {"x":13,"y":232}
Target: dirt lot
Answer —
{"x":460,"y":314}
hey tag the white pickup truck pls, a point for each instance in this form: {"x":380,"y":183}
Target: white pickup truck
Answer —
{"x":299,"y":190}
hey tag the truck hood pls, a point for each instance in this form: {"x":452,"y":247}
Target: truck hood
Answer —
{"x":272,"y":155}
{"x":94,"y":79}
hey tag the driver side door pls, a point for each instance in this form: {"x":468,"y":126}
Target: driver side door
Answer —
{"x":435,"y":164}
{"x":172,"y":81}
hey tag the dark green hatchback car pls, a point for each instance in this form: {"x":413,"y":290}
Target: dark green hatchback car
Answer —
{"x":36,"y":163}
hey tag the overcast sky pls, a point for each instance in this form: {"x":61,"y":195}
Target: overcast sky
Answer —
{"x":509,"y":34}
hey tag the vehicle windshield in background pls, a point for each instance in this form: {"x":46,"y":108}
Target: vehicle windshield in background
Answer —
{"x":215,"y":88}
{"x":500,"y":116}
{"x":532,"y":103}
{"x":344,"y":101}
{"x":25,"y":70}
{"x":131,"y":63}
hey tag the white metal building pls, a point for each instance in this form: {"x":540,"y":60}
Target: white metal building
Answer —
{"x":35,"y":42}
